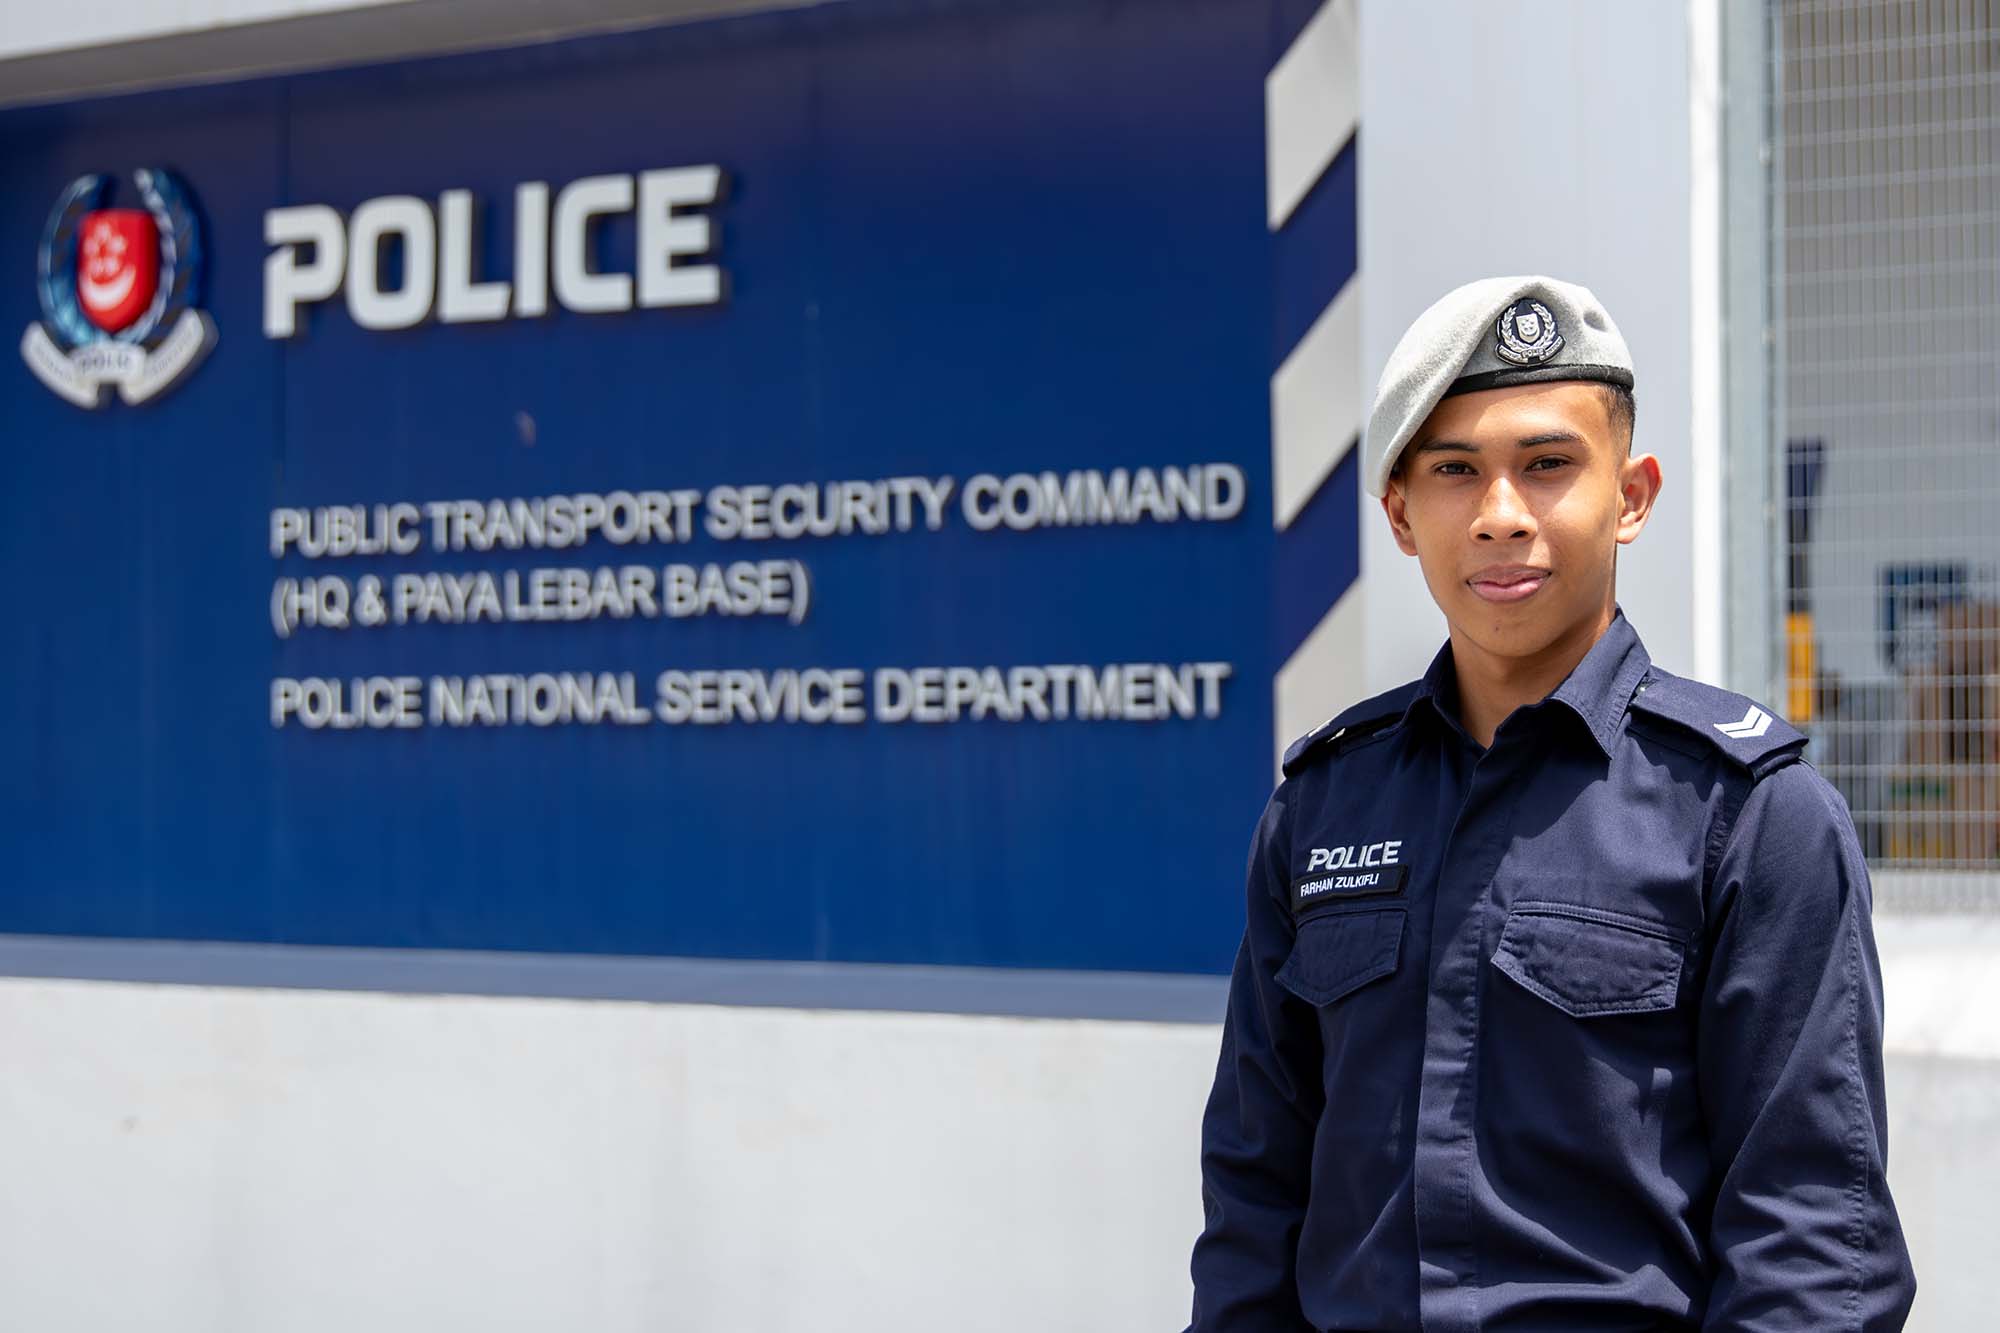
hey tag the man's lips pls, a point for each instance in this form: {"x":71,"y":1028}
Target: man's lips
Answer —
{"x":1508,"y":583}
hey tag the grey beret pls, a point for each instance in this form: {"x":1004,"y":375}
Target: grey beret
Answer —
{"x":1488,"y":335}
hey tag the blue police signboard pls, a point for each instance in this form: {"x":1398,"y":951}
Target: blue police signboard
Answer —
{"x":795,"y":487}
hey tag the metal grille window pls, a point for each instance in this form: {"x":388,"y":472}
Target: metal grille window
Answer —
{"x":1889,"y":297}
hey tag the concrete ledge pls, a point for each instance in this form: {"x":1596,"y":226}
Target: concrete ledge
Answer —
{"x":1011,"y":992}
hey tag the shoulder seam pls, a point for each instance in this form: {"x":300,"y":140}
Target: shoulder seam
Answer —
{"x":1676,"y":738}
{"x":1348,"y":727}
{"x":1340,"y":741}
{"x":1761,"y":742}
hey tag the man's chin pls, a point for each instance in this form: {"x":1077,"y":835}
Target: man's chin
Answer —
{"x":1522,"y":629}
{"x":1525,"y":629}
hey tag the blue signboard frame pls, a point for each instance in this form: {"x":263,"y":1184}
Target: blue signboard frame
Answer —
{"x":959,"y":240}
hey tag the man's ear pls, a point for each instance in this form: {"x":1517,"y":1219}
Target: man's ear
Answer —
{"x":1396,"y":506}
{"x":1639,"y":483}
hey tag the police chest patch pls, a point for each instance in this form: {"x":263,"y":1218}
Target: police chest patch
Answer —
{"x":1331,"y":886}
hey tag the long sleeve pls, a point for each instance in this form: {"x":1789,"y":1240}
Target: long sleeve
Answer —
{"x":1804,"y":1234}
{"x":1257,"y":1132}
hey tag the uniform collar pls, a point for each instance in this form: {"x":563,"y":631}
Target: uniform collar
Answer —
{"x":1598,"y":689}
{"x":1601,"y":686}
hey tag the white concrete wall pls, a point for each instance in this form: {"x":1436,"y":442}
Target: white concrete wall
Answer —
{"x":207,"y":1160}
{"x":1941,"y":979}
{"x":202,"y":1160}
{"x":1556,"y":138}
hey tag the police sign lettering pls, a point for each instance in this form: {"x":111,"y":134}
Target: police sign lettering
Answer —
{"x":315,"y":252}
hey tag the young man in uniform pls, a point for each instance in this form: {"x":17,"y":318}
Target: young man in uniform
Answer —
{"x":1558,"y":1005}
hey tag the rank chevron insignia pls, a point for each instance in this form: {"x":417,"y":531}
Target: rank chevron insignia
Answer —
{"x":1754,"y":724}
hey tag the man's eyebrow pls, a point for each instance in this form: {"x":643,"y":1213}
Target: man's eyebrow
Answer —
{"x":1525,"y":442}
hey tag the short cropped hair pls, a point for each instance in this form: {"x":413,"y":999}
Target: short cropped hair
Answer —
{"x":1623,"y":410}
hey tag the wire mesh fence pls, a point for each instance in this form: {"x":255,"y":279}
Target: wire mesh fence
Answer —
{"x":1888,"y":113}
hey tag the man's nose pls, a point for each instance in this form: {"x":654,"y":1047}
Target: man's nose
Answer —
{"x":1502,"y":514}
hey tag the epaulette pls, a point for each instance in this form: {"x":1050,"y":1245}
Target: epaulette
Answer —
{"x":1367,"y":716}
{"x":1741,"y":728}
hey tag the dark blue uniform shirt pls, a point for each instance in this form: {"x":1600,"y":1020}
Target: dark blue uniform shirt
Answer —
{"x":1580,"y":1031}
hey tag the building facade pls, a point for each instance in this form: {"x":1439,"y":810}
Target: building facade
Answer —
{"x":648,"y":646}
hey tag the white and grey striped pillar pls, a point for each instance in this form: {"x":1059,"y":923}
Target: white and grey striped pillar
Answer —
{"x":1311,"y":112}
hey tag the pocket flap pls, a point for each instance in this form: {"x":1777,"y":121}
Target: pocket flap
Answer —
{"x":1586,"y":961}
{"x":1339,"y":952}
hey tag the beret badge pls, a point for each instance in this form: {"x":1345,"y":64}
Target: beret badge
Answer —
{"x":1527,"y":333}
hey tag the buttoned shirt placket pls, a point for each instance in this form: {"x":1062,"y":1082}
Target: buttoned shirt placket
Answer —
{"x":1447,"y":1144}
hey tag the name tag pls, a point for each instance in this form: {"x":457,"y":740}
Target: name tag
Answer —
{"x":1337,"y":885}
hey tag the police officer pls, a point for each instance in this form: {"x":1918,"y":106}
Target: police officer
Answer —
{"x":1557,"y":1005}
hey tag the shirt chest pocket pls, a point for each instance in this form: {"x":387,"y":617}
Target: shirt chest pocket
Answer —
{"x":1589,"y":962}
{"x":1337,"y":953}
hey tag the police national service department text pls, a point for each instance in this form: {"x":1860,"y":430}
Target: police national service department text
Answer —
{"x":1057,"y":692}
